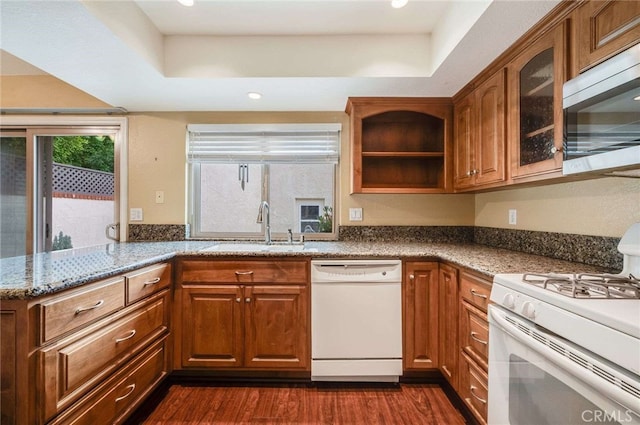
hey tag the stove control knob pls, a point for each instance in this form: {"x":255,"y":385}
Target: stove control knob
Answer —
{"x":509,"y":301}
{"x":529,"y":310}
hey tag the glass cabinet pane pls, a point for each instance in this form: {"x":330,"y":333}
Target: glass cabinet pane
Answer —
{"x":536,"y":109}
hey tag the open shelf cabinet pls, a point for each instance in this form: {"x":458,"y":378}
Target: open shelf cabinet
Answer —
{"x":400,"y":145}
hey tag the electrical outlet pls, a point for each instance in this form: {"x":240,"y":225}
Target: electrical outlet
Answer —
{"x":135,"y":214}
{"x":159,"y":197}
{"x":513,"y":217}
{"x":355,"y":214}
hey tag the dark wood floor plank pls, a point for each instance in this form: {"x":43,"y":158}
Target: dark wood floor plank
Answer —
{"x":406,"y":404}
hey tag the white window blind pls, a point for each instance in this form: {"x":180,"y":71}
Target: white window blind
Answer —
{"x":251,"y":143}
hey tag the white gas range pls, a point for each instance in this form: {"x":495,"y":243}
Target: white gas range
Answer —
{"x":565,"y":348}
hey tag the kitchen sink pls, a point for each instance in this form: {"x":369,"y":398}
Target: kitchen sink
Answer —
{"x":258,"y":247}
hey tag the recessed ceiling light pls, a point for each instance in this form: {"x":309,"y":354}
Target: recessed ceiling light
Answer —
{"x":186,"y":2}
{"x":399,"y":3}
{"x":637,"y":98}
{"x":254,"y":95}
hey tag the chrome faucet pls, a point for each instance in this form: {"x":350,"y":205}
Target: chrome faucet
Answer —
{"x":264,"y":205}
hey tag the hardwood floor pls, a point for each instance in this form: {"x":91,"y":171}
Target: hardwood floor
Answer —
{"x":409,"y":404}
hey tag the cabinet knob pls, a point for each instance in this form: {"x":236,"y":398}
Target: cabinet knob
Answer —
{"x":247,"y":300}
{"x":238,"y":299}
{"x":555,"y":150}
{"x":412,"y":277}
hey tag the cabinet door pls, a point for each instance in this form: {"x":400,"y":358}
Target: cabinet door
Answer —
{"x":536,"y":78}
{"x":212,"y":328}
{"x":605,"y":28}
{"x":463,"y":142}
{"x":8,"y":369}
{"x":489,"y":149}
{"x":448,"y":328}
{"x":420,"y":306}
{"x":276,"y":327}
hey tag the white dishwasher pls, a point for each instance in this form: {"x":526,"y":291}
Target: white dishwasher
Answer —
{"x":356,"y":320}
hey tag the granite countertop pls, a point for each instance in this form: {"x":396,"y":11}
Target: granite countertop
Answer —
{"x":41,"y":274}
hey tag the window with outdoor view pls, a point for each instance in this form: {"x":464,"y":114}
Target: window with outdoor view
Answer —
{"x":234,"y":168}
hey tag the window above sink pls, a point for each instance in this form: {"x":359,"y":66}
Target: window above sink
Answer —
{"x":234,"y":168}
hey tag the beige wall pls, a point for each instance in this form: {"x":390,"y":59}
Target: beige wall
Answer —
{"x":600,"y":207}
{"x":43,"y":91}
{"x":157,"y":162}
{"x":603,"y":207}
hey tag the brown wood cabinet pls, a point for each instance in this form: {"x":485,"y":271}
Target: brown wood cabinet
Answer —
{"x":535,"y":129}
{"x":479,"y":135}
{"x":474,"y":389}
{"x":243,"y":314}
{"x":73,"y":365}
{"x":448,"y":323}
{"x":604,"y":28}
{"x":114,"y":400}
{"x":65,"y":347}
{"x":474,"y":343}
{"x":420,"y":311}
{"x":400,"y":145}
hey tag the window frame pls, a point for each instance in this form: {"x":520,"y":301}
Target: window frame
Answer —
{"x":194,"y":188}
{"x":43,"y":125}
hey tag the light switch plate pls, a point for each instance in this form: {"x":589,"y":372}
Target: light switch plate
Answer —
{"x":135,"y":214}
{"x":355,"y":214}
{"x":513,"y":217}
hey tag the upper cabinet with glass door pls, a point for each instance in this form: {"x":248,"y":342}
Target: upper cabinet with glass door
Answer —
{"x":535,"y":114}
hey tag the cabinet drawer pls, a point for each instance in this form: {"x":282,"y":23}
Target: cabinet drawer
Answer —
{"x":67,"y":312}
{"x":76,"y":364}
{"x":474,"y":333}
{"x":476,"y":291}
{"x":473,"y":388}
{"x":147,"y":281}
{"x":279,"y":271}
{"x":115,"y":400}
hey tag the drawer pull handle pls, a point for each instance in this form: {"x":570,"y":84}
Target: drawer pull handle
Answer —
{"x":475,"y":294}
{"x":151,"y":282}
{"x":473,"y":393}
{"x":475,"y":338}
{"x":131,"y":388}
{"x":130,"y":335}
{"x":93,"y":307}
{"x":238,"y":273}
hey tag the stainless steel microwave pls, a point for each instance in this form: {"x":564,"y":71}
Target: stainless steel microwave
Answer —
{"x":602,"y":116}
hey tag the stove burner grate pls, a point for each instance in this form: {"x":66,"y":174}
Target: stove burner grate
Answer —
{"x":587,"y":285}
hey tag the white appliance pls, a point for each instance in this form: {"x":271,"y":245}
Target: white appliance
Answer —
{"x":565,"y":349}
{"x":356,"y":320}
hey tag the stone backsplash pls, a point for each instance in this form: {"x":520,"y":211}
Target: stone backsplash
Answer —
{"x":594,"y":250}
{"x":599,"y":251}
{"x":426,"y":234}
{"x":158,"y":232}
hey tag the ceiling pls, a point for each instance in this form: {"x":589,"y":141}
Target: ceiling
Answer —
{"x":301,"y":55}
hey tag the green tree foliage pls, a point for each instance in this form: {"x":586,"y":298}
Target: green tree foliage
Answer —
{"x":326,"y":220}
{"x":93,"y":152}
{"x":61,"y":241}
